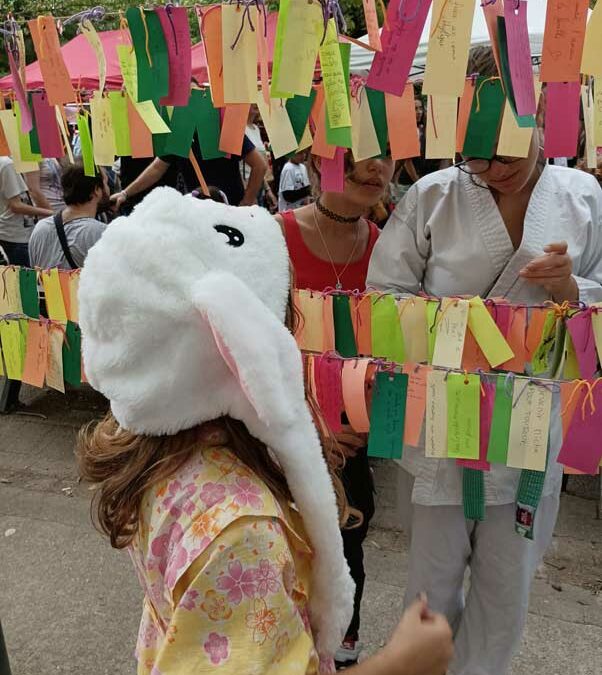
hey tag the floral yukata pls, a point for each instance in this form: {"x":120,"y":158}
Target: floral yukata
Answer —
{"x":225,"y":569}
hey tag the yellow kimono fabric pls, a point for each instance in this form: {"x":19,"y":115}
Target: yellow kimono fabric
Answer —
{"x":225,"y":574}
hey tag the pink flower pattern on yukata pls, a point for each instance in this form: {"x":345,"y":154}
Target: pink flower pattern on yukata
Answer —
{"x":148,"y":634}
{"x":246,"y":493}
{"x":176,"y":492}
{"x":189,"y":599}
{"x":163,"y":546}
{"x":267,"y":579}
{"x":217,"y":647}
{"x":238,"y":582}
{"x":213,"y":493}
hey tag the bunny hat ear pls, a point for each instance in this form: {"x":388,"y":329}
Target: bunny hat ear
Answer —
{"x":181,"y":309}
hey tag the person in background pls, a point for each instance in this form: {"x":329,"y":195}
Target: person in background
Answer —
{"x":294,"y":190}
{"x":44,"y":185}
{"x":253,"y":132}
{"x":330,"y":243}
{"x":84,"y":197}
{"x":531,"y":233}
{"x":222,"y":172}
{"x":16,"y":214}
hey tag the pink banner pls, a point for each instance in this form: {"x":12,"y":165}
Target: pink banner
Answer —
{"x":519,"y":58}
{"x":332,"y":172}
{"x":391,"y":67}
{"x":582,"y":449}
{"x":562,"y":119}
{"x":26,"y":121}
{"x":174,"y":22}
{"x":47,"y":126}
{"x":487,"y":401}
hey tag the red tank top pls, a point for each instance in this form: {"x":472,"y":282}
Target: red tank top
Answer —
{"x":317,"y":274}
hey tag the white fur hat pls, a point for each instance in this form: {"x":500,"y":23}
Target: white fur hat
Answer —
{"x":181,"y":309}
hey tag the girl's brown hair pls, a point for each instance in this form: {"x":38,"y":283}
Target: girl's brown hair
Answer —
{"x":122,"y":465}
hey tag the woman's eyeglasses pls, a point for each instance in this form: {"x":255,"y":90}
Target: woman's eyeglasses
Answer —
{"x":475,"y":166}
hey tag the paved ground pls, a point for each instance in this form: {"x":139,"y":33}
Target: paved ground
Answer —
{"x":70,"y":605}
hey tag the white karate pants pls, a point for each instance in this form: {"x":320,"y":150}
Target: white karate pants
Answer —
{"x":489,"y":622}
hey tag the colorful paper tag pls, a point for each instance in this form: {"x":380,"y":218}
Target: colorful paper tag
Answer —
{"x":463,"y":403}
{"x":436,"y":414}
{"x":450,"y":333}
{"x":388,"y":415}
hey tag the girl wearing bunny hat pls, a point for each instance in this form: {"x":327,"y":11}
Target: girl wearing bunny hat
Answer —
{"x":209,"y":468}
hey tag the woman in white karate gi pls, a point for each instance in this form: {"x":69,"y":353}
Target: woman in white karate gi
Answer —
{"x":528,"y":232}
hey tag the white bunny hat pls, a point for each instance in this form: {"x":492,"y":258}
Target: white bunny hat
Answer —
{"x":182,"y":307}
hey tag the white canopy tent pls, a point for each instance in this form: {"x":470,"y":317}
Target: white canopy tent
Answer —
{"x":361,"y":59}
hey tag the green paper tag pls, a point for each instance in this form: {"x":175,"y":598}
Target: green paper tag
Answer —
{"x":484,"y":120}
{"x":497,"y":450}
{"x":34,"y":139}
{"x":153,"y":75}
{"x":160,"y":140}
{"x":182,"y":125}
{"x":207,"y":124}
{"x":524,"y":121}
{"x":463,"y":409}
{"x":342,"y":135}
{"x":540,"y":361}
{"x":343,"y":327}
{"x":387,"y":418}
{"x":28,"y":286}
{"x":387,"y":338}
{"x":25,"y":148}
{"x":121,"y":127}
{"x":378,"y":109}
{"x":473,"y":494}
{"x":299,"y":109}
{"x":86,"y":145}
{"x":278,"y":40}
{"x":432,"y":307}
{"x":72,"y":358}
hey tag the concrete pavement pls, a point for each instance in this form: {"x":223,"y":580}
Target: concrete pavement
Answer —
{"x":69,"y":604}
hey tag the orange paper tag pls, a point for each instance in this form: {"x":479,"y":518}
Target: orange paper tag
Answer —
{"x":210,"y":23}
{"x":141,"y":138}
{"x":73,"y":296}
{"x":464,"y":113}
{"x":328,"y":319}
{"x":310,"y":332}
{"x":57,"y":82}
{"x":361,"y":318}
{"x":320,"y":146}
{"x":401,"y":119}
{"x":354,"y":394}
{"x":473,"y":357}
{"x":64,"y":279}
{"x":416,"y":402}
{"x":563,"y":39}
{"x":537,"y":319}
{"x":516,"y":338}
{"x":233,"y":128}
{"x":36,"y":354}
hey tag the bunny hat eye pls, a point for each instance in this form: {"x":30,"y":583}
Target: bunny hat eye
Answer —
{"x":235,"y":237}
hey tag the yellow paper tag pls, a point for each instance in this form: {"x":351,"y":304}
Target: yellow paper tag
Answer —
{"x":412,"y":313}
{"x":54,"y":370}
{"x":363,"y":134}
{"x":450,"y":333}
{"x":54,"y":296}
{"x":487,"y":334}
{"x":441,"y":120}
{"x":10,"y":291}
{"x":74,"y":297}
{"x":103,"y":135}
{"x":240,"y":59}
{"x":449,"y":41}
{"x":333,"y":76}
{"x":589,"y":125}
{"x":597,"y":112}
{"x":11,"y":132}
{"x":515,"y":141}
{"x":436,"y":414}
{"x":10,"y":334}
{"x":306,"y":139}
{"x":591,"y":63}
{"x":94,"y":41}
{"x":129,"y":70}
{"x":152,"y":119}
{"x":529,"y":426}
{"x":64,"y":134}
{"x":310,"y":334}
{"x":278,"y":127}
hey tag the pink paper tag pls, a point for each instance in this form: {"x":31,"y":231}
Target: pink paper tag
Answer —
{"x":26,"y":121}
{"x":391,"y":67}
{"x":486,"y":413}
{"x":582,"y":334}
{"x":51,"y":144}
{"x":562,"y":119}
{"x":332,"y":172}
{"x":519,"y":57}
{"x":329,"y":390}
{"x":174,"y":22}
{"x":502,"y":315}
{"x":582,"y":449}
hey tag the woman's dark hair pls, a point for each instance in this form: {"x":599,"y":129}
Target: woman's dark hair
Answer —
{"x":215,"y":194}
{"x":77,"y":187}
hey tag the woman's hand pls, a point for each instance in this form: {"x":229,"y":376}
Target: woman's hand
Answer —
{"x":554,"y":271}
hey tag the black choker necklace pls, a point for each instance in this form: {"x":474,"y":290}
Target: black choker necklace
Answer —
{"x":335,"y":216}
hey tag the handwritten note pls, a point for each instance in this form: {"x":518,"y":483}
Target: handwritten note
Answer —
{"x":529,"y":426}
{"x":591,"y":63}
{"x":449,"y":41}
{"x":239,"y":55}
{"x":562,"y":119}
{"x":487,"y":334}
{"x":333,"y":76}
{"x":129,"y":70}
{"x":563,"y":40}
{"x":485,"y":415}
{"x":54,"y":366}
{"x":387,"y":416}
{"x":391,"y":66}
{"x":329,"y":391}
{"x":103,"y":134}
{"x":36,"y":354}
{"x":441,"y":127}
{"x":450,"y":333}
{"x":463,"y":403}
{"x":364,"y":139}
{"x":519,"y":58}
{"x":10,"y":291}
{"x":57,"y":82}
{"x":176,"y":29}
{"x":597,"y":102}
{"x":94,"y":41}
{"x":371,"y":18}
{"x":401,"y":120}
{"x":436,"y":414}
{"x":416,"y":403}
